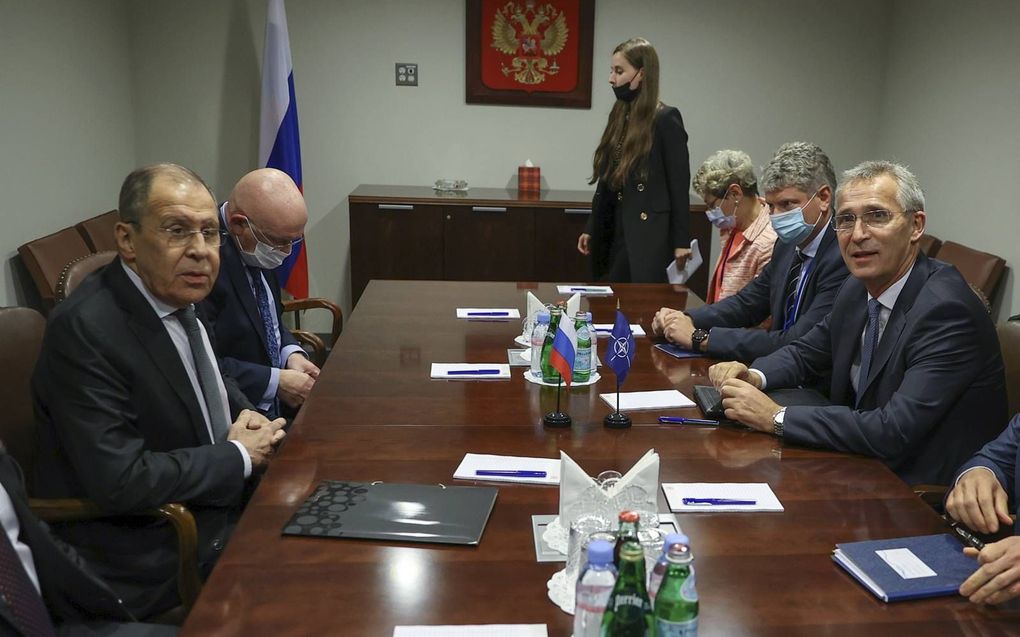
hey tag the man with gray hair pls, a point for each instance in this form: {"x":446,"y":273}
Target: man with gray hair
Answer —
{"x":917,"y":375}
{"x":798,"y":285}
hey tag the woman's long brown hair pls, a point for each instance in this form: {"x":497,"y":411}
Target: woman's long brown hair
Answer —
{"x":635,"y":120}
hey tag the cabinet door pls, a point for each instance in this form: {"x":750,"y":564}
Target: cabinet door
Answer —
{"x":488,"y":243}
{"x":556,"y":255}
{"x":394,"y":241}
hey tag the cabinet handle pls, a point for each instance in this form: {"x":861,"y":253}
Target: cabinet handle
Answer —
{"x":577,"y":211}
{"x":488,"y":209}
{"x":395,"y":206}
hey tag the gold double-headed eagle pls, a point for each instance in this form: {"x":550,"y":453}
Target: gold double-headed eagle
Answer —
{"x":533,"y":34}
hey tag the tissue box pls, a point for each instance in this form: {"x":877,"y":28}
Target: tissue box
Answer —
{"x":529,"y":179}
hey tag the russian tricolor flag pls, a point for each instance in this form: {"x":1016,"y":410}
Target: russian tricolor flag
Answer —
{"x":564,"y":349}
{"x":279,"y":142}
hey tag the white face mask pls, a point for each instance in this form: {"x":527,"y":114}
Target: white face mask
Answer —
{"x":264,"y":256}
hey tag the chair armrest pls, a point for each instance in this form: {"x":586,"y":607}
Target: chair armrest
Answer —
{"x":189,"y":582}
{"x":314,"y":342}
{"x":298,"y":305}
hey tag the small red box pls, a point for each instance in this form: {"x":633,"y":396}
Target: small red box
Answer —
{"x":529,"y":179}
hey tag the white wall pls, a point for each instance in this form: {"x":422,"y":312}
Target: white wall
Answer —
{"x":951,"y":113}
{"x":66,"y":132}
{"x":197,"y":71}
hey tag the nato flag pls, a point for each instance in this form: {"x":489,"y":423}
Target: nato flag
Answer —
{"x":621,"y":347}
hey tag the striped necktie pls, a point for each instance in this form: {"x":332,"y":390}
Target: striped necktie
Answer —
{"x":792,"y":285}
{"x":207,"y":373}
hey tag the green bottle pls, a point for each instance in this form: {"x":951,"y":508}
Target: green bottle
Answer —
{"x":628,"y":613}
{"x":676,"y":605}
{"x":582,"y":358}
{"x":549,"y":373}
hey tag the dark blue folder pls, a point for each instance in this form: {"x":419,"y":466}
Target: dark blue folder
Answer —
{"x":943,"y":554}
{"x":677,"y":352}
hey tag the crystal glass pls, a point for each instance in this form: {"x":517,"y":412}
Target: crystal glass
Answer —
{"x":581,"y":530}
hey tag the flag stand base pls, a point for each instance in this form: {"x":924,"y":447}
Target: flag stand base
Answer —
{"x":556,"y":419}
{"x":617,"y":420}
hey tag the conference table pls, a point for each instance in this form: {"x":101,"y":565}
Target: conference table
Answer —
{"x":374,"y":414}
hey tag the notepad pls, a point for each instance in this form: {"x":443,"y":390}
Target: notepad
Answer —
{"x":760,"y":492}
{"x":605,"y":328}
{"x":638,"y":400}
{"x":471,"y":371}
{"x":488,"y":313}
{"x":676,"y":351}
{"x":475,"y":461}
{"x":478,"y":630}
{"x":907,"y":567}
{"x":585,"y":290}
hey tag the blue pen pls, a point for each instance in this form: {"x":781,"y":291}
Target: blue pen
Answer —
{"x":677,"y":420}
{"x":472,"y":372}
{"x":510,"y":473}
{"x":717,"y":501}
{"x":587,"y":289}
{"x":488,"y":313}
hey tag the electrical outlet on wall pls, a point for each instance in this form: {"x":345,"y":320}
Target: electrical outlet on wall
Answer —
{"x":407,"y":74}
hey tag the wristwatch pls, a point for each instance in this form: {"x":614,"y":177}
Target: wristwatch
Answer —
{"x":697,"y":338}
{"x":777,"y":422}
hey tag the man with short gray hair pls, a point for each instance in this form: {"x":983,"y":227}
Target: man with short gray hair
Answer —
{"x":917,"y":375}
{"x":798,"y":285}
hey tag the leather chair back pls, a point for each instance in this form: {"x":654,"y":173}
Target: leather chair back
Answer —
{"x":980,"y":269}
{"x":21,"y":334}
{"x":45,"y":258}
{"x":1009,"y":342}
{"x":98,"y":231}
{"x":76,"y":271}
{"x":930,"y":245}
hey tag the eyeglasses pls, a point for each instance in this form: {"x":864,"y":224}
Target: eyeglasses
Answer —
{"x":180,"y":236}
{"x":847,"y":221}
{"x":283,"y":246}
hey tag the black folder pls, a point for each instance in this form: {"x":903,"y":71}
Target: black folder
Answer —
{"x":391,"y":511}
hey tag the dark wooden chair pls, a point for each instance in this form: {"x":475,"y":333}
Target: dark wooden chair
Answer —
{"x":21,"y":335}
{"x":98,"y":231}
{"x":310,"y":340}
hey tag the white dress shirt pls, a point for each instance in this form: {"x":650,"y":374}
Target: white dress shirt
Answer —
{"x":9,"y":519}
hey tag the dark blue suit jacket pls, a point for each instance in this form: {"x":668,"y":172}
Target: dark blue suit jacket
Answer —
{"x":234,"y":315}
{"x":1002,"y":456}
{"x":764,"y":296}
{"x":936,"y":389}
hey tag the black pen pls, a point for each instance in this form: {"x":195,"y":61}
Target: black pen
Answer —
{"x":965,"y":536}
{"x":677,"y":420}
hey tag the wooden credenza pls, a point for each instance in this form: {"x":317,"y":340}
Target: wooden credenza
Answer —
{"x":484,"y":234}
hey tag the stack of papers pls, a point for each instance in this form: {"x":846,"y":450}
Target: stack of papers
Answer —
{"x":605,"y":328}
{"x":637,"y":400}
{"x":714,"y":497}
{"x":488,"y":313}
{"x":585,"y":290}
{"x":473,"y":462}
{"x":471,"y":371}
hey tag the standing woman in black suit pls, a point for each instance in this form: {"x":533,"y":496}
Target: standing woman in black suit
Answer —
{"x":639,"y":220}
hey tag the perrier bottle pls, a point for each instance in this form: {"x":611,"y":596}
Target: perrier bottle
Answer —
{"x":628,"y":613}
{"x":676,"y":605}
{"x":549,"y":373}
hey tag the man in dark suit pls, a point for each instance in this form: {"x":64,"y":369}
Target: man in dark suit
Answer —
{"x":917,"y":376}
{"x":264,"y":217}
{"x":980,"y":498}
{"x":132,"y":410}
{"x":45,"y":584}
{"x":798,"y":285}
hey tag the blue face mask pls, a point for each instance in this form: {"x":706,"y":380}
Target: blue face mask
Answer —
{"x":790,"y":226}
{"x":720,"y":220}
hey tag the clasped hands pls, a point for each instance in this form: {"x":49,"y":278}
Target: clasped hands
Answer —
{"x":258,"y":435}
{"x":742,"y":397}
{"x":297,"y":380}
{"x":674,"y":325}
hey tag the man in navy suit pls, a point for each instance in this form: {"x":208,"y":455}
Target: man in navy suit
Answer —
{"x":980,"y":498}
{"x":798,"y":285}
{"x":264,"y":217}
{"x":917,"y":375}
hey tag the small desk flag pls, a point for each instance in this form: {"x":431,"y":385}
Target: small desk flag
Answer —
{"x":564,"y":349}
{"x":621,"y":347}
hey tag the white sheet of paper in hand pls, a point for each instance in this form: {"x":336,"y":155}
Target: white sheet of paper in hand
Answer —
{"x":477,"y":630}
{"x":474,"y":461}
{"x":471,"y":371}
{"x":765,"y":499}
{"x":659,"y":399}
{"x":574,"y":482}
{"x":680,"y":277}
{"x":488,"y":313}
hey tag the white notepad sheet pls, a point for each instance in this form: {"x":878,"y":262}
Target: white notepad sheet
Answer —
{"x":486,"y":313}
{"x":442,"y":370}
{"x":475,"y":461}
{"x":638,"y":400}
{"x":604,"y":329}
{"x":761,"y":492}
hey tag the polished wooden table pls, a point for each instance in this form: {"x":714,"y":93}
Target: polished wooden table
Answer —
{"x":375,"y":415}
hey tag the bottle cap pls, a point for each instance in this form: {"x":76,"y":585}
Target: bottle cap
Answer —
{"x":543,"y":316}
{"x":675,"y":538}
{"x":600,"y":552}
{"x":629,"y":516}
{"x":587,"y":316}
{"x":679,"y":554}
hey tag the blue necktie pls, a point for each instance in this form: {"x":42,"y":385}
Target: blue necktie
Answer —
{"x":266,"y":313}
{"x":869,"y":346}
{"x":792,"y":286}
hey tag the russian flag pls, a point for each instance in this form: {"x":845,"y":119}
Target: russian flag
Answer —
{"x":564,"y":349}
{"x":279,"y":142}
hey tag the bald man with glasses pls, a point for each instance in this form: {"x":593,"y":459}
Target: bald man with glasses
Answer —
{"x":917,"y":377}
{"x":262,"y":221}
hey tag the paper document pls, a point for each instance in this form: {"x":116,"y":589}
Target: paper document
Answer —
{"x":606,"y":328}
{"x":680,"y":277}
{"x":471,"y":371}
{"x":637,"y":400}
{"x":585,"y":290}
{"x":472,"y":462}
{"x":759,"y":492}
{"x":487,"y":630}
{"x":488,"y":313}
